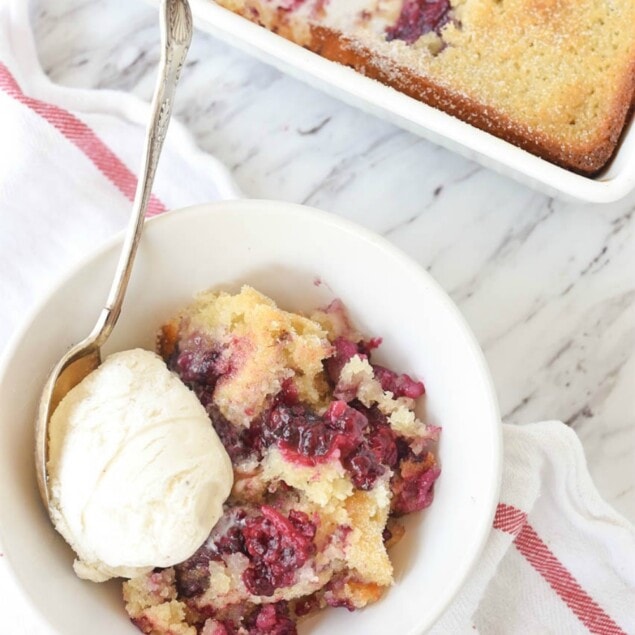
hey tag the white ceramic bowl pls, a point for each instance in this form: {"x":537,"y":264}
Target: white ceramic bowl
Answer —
{"x":283,"y":250}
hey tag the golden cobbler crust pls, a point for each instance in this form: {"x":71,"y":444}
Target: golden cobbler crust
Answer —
{"x":327,"y":454}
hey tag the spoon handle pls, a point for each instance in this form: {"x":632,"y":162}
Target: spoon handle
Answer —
{"x":176,"y":35}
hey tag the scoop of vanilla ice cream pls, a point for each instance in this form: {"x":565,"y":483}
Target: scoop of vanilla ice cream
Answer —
{"x":138,"y":475}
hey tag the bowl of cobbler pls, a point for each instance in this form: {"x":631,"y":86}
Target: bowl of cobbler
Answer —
{"x":358,"y":423}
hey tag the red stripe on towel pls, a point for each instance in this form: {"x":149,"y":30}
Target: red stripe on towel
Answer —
{"x":509,"y":519}
{"x":83,"y":137}
{"x":514,"y":521}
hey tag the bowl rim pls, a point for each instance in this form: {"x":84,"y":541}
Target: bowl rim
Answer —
{"x":338,"y":223}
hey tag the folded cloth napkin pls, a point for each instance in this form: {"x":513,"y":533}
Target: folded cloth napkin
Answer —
{"x":558,"y":559}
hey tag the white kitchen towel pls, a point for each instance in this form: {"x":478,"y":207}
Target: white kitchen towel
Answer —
{"x":558,"y":559}
{"x":68,"y":164}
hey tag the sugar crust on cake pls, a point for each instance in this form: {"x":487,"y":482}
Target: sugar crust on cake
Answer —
{"x":556,"y":77}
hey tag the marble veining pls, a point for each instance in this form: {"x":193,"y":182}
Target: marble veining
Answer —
{"x":547,"y":286}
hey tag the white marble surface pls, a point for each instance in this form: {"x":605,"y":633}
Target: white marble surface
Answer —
{"x":548,"y":287}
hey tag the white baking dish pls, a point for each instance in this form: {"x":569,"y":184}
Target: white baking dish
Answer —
{"x":612,"y":184}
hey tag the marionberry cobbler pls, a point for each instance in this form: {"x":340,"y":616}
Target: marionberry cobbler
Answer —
{"x":327,"y":454}
{"x":555,"y":77}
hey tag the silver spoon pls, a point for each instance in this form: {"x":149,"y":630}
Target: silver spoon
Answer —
{"x":83,"y":358}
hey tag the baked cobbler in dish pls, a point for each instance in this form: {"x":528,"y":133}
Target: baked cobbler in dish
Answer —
{"x":327,"y":454}
{"x":554,"y":77}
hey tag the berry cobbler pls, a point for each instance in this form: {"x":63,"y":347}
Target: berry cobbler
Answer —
{"x":327,"y":454}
